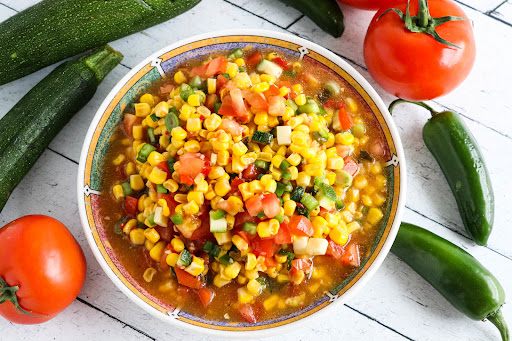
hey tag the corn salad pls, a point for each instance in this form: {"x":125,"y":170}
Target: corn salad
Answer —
{"x":246,"y":173}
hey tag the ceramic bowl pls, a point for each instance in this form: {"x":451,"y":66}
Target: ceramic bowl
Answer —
{"x":151,"y":70}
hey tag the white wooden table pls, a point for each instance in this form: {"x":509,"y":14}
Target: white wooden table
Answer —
{"x":396,"y":304}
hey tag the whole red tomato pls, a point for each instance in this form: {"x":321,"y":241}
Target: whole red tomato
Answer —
{"x":415,"y":66}
{"x":369,"y":4}
{"x":38,"y":255}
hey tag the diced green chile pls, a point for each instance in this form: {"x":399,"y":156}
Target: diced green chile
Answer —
{"x":249,"y":227}
{"x":127,"y":189}
{"x":171,"y":121}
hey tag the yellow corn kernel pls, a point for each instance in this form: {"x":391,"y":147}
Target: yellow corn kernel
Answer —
{"x":171,"y":185}
{"x":255,"y":186}
{"x":244,"y":296}
{"x":119,"y":160}
{"x":178,"y":133}
{"x":271,"y":302}
{"x":300,"y":99}
{"x":376,"y":168}
{"x":194,"y":124}
{"x":267,"y":78}
{"x":289,"y":207}
{"x":261,"y":87}
{"x":298,"y":277}
{"x":179,"y":78}
{"x":232,"y":69}
{"x":212,"y":122}
{"x":319,"y":225}
{"x":345,"y":138}
{"x":149,"y":244}
{"x":263,"y":229}
{"x":118,"y":192}
{"x":157,"y":176}
{"x":130,"y":224}
{"x":192,"y":146}
{"x":251,"y":261}
{"x":211,"y":84}
{"x":351,"y":104}
{"x":161,"y":109}
{"x":152,"y":235}
{"x":367,"y":201}
{"x":378,"y":199}
{"x":156,"y":252}
{"x":297,"y":88}
{"x":299,"y":138}
{"x":191,"y":208}
{"x":147,"y":98}
{"x":172,"y":259}
{"x":380,"y":181}
{"x":273,"y":225}
{"x":254,"y":287}
{"x":142,"y":109}
{"x":197,"y":197}
{"x":216,"y":173}
{"x":280,"y":258}
{"x":155,"y":158}
{"x":141,"y":217}
{"x":137,"y":236}
{"x":239,"y":148}
{"x":136,"y":182}
{"x":219,"y":281}
{"x":241,"y":279}
{"x":335,"y":163}
{"x":240,"y":243}
{"x":374,"y":215}
{"x":194,"y":100}
{"x":252,"y":274}
{"x":233,"y":270}
{"x":330,"y":141}
{"x":303,"y":179}
{"x":261,"y":118}
{"x":294,"y":159}
{"x":339,"y":235}
{"x":313,"y":170}
{"x":360,"y":181}
{"x":177,"y":244}
{"x":130,"y":168}
{"x":222,"y":188}
{"x":196,"y":267}
{"x":283,"y":91}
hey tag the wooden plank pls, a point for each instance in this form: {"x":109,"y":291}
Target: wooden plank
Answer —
{"x":270,"y":10}
{"x":504,"y":12}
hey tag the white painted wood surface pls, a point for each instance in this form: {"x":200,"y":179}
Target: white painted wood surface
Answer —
{"x":396,"y":304}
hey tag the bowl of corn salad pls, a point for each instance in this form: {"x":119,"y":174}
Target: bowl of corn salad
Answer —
{"x":241,"y":181}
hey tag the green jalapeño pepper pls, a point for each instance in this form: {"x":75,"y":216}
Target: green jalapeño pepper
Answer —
{"x":457,"y":275}
{"x":455,"y":149}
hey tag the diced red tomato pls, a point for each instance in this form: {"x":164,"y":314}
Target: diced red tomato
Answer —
{"x":282,"y":63}
{"x":256,"y":100}
{"x":263,"y":247}
{"x":206,"y":296}
{"x":243,"y":217}
{"x":270,"y":262}
{"x":300,"y":226}
{"x":277,"y":106}
{"x":329,"y":103}
{"x":273,"y":90}
{"x":254,"y":59}
{"x":345,"y":119}
{"x":187,"y":279}
{"x":234,"y":185}
{"x":283,"y":236}
{"x":203,"y":231}
{"x":226,"y":108}
{"x":251,"y":172}
{"x":131,"y":205}
{"x":213,"y":67}
{"x":335,"y":250}
{"x":351,"y":255}
{"x":350,"y":165}
{"x":164,"y":232}
{"x":210,"y":101}
{"x":169,"y":198}
{"x":238,"y":102}
{"x":292,"y":94}
{"x":301,"y":263}
{"x":165,"y":167}
{"x":129,"y":121}
{"x":245,"y":236}
{"x":190,"y":167}
{"x":226,"y":205}
{"x":254,"y":205}
{"x":221,"y":81}
{"x":271,"y":205}
{"x":166,"y":88}
{"x":232,"y":127}
{"x":247,"y":313}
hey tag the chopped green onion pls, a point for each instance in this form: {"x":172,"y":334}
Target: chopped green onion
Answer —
{"x":364,"y":155}
{"x":310,"y":202}
{"x":291,"y":103}
{"x":260,"y":176}
{"x":236,"y":53}
{"x":185,"y":87}
{"x":153,"y":117}
{"x":249,"y":227}
{"x":279,"y":217}
{"x":241,"y":69}
{"x":161,"y":189}
{"x":216,"y":215}
{"x":225,"y":259}
{"x":365,"y":210}
{"x":196,"y":82}
{"x":297,"y":193}
{"x":185,"y":94}
{"x":261,"y":215}
{"x":284,"y":165}
{"x":280,"y":189}
{"x":208,"y":246}
{"x":340,"y":204}
{"x":171,"y":121}
{"x":170,"y":164}
{"x":309,"y":108}
{"x":151,"y":219}
{"x":302,"y":211}
{"x":117,"y":228}
{"x":151,"y":135}
{"x":127,"y":189}
{"x":262,"y":164}
{"x":145,"y":151}
{"x":226,"y":75}
{"x":290,"y":73}
{"x":286,"y":175}
{"x":216,"y":107}
{"x":321,"y":136}
{"x":177,"y":219}
{"x":358,"y":130}
{"x":185,"y":258}
{"x":289,"y":256}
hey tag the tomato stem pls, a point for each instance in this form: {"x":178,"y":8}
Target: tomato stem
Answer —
{"x":423,"y":13}
{"x":8,"y":293}
{"x":421,"y":104}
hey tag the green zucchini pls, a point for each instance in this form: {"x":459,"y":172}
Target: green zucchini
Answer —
{"x":53,"y":30}
{"x":326,"y":14}
{"x":29,"y":127}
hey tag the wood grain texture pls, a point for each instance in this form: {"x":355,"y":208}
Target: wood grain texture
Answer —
{"x":396,"y":304}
